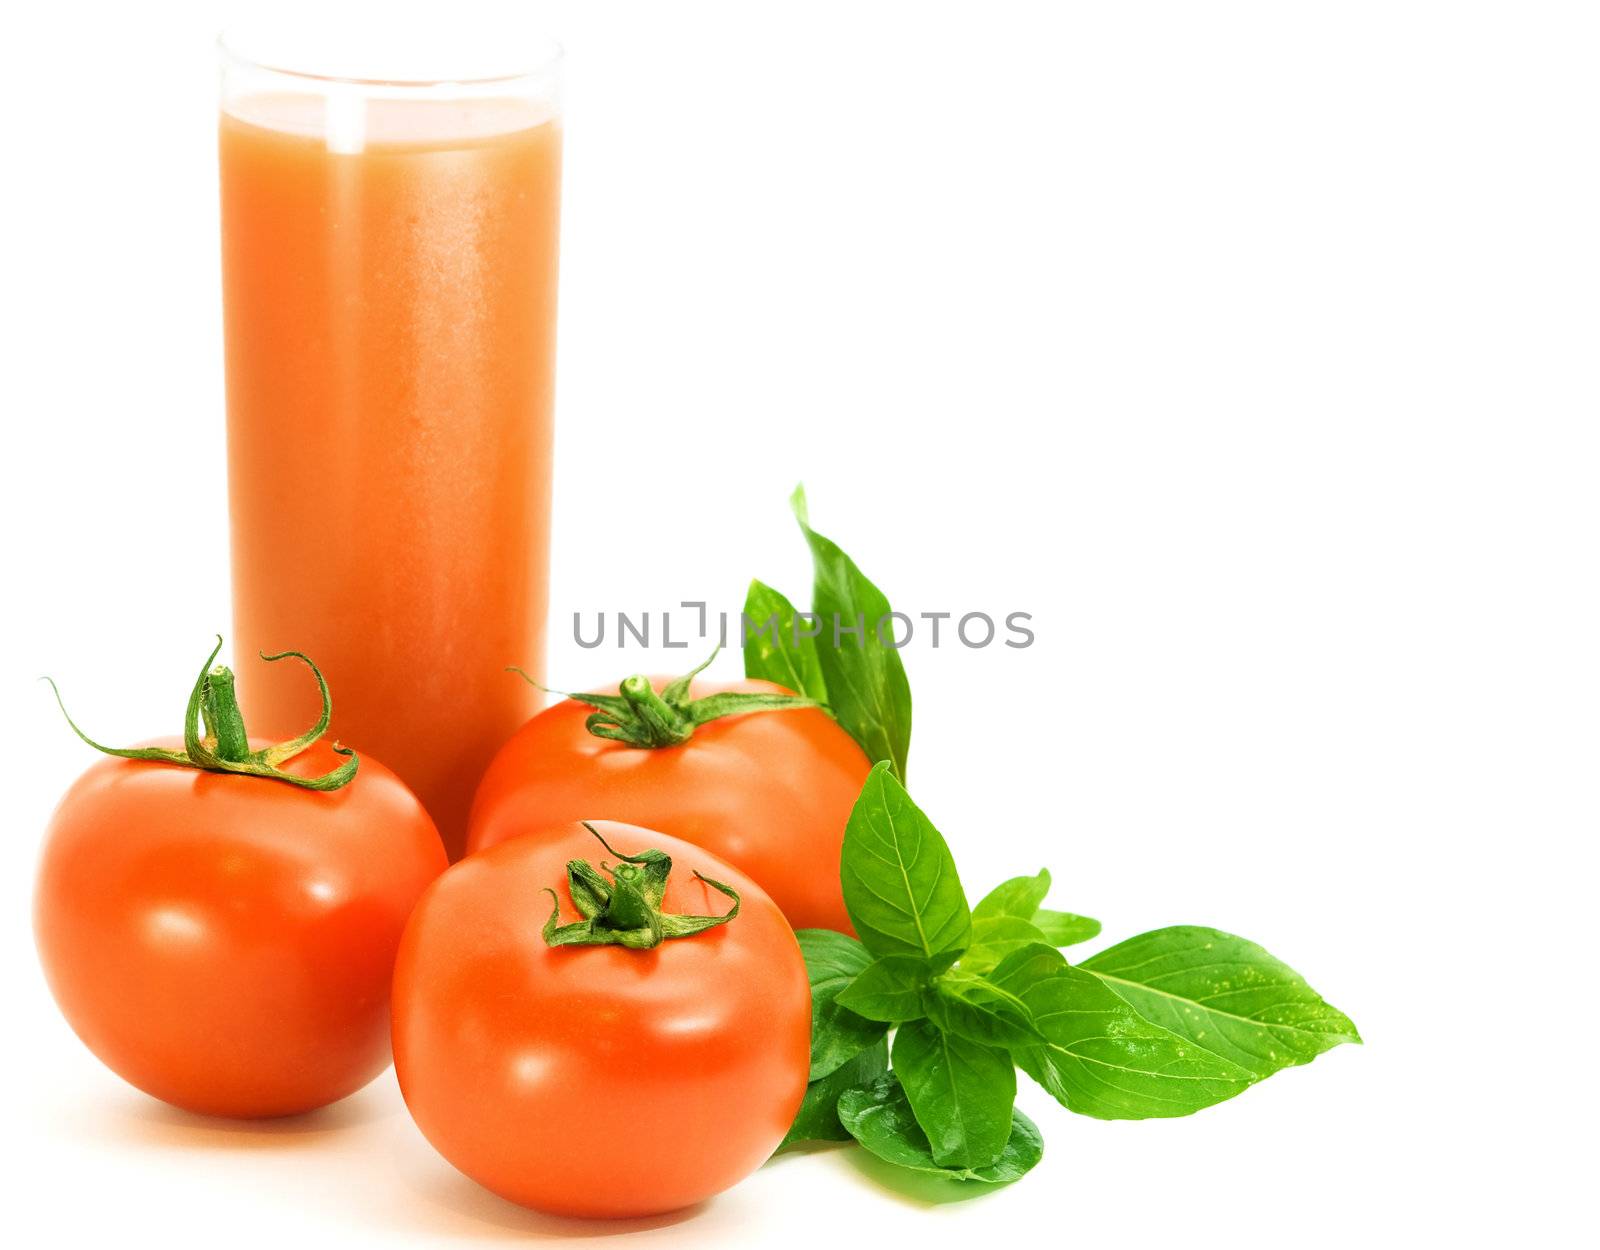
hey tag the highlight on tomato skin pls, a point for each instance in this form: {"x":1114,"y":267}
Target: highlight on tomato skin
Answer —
{"x":600,"y":1066}
{"x":769,"y":791}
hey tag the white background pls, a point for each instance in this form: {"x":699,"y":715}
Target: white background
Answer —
{"x":1250,"y":347}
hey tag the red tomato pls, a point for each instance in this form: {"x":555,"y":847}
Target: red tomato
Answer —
{"x":226,"y":942}
{"x":768,"y":791}
{"x":598,"y":1081}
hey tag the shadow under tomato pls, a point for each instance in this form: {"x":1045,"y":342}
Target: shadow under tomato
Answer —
{"x":472,"y":1209}
{"x":147,"y":1121}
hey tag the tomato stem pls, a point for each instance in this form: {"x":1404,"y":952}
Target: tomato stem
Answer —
{"x":661,"y":723}
{"x":219,"y":710}
{"x":626,"y":911}
{"x":638,"y":716}
{"x":225,"y":746}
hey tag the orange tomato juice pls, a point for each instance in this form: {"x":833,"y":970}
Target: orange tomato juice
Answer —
{"x":389,"y":275}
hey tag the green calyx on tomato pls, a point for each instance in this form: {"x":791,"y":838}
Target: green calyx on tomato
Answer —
{"x":225,"y":747}
{"x":626,"y":911}
{"x":640,"y":717}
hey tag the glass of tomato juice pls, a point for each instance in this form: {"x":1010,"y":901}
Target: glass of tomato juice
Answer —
{"x":389,"y":247}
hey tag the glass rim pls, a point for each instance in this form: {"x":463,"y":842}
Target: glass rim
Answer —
{"x":548,"y":60}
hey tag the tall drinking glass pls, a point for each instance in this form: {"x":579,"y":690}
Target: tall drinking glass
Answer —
{"x":389,"y":285}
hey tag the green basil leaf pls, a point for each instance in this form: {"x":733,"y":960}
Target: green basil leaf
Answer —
{"x":889,"y":989}
{"x":879,"y":1117}
{"x":1064,"y":928}
{"x":961,"y":1093}
{"x":995,"y":937}
{"x":1020,"y":897}
{"x":818,"y":1117}
{"x":974,"y":1008}
{"x":867,"y":688}
{"x":1224,"y":994}
{"x":1101,"y":1058}
{"x":838,"y":1034}
{"x":774,"y":649}
{"x":899,"y":879}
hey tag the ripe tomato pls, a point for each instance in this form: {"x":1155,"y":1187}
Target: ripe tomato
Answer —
{"x":225,"y":942}
{"x":768,"y":791}
{"x":599,"y":1080}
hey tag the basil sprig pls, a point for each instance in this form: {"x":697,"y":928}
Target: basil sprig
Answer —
{"x":841,"y":653}
{"x":1163,"y":1024}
